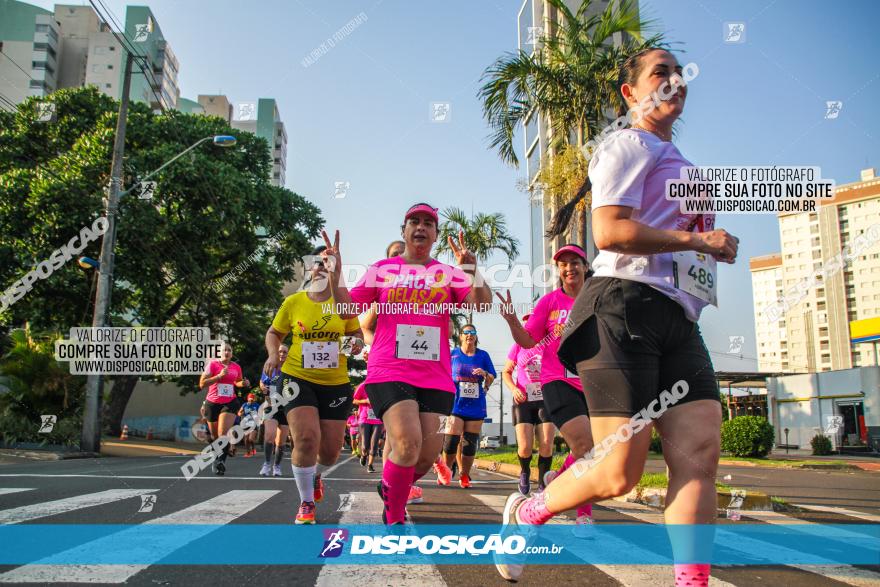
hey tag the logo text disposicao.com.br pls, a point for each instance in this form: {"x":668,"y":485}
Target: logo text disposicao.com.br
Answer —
{"x":455,"y":544}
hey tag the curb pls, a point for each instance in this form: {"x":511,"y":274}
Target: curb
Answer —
{"x":157,"y":448}
{"x":36,"y":455}
{"x":504,"y":468}
{"x":794,"y":465}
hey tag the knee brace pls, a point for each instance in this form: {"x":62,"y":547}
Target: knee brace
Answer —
{"x":450,"y":443}
{"x":471,"y":441}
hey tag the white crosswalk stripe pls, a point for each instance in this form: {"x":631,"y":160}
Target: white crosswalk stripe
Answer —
{"x":219,"y":510}
{"x":8,"y":490}
{"x":846,"y":574}
{"x":69,"y":504}
{"x":369,"y":511}
{"x":843,"y":512}
{"x":628,"y":575}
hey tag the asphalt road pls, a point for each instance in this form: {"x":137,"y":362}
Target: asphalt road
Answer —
{"x":28,"y":487}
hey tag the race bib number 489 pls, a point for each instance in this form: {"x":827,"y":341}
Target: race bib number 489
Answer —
{"x":696,"y":273}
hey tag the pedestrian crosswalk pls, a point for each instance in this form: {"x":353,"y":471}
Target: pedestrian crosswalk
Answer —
{"x":222,"y":507}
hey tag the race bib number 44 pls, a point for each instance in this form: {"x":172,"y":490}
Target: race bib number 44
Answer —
{"x":418,"y":342}
{"x":320,"y":355}
{"x":696,"y":274}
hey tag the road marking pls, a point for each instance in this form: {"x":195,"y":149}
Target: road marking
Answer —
{"x":846,"y":574}
{"x":222,"y":509}
{"x":69,"y":504}
{"x":812,"y":528}
{"x":172,"y":477}
{"x":326,"y":473}
{"x":627,"y":575}
{"x":345,"y":501}
{"x":843,"y":511}
{"x":369,"y":511}
{"x":8,"y":490}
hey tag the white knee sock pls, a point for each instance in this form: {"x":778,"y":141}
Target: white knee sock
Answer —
{"x":305,"y":482}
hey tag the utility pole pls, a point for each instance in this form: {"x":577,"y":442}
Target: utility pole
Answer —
{"x":91,"y":433}
{"x":501,"y":408}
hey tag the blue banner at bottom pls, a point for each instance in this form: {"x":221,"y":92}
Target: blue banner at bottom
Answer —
{"x":553,"y":544}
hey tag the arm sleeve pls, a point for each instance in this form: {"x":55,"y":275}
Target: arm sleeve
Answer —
{"x":281,"y":323}
{"x":536,"y":325}
{"x":618,"y":171}
{"x":366,"y":290}
{"x":461,"y":285}
{"x":488,"y":366}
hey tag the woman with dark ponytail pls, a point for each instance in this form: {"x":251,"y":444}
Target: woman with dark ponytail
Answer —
{"x":633,"y":335}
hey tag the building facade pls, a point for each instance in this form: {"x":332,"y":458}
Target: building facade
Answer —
{"x":72,"y":47}
{"x":812,"y":334}
{"x":805,"y":405}
{"x":264,"y":120}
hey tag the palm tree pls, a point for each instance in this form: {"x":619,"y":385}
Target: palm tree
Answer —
{"x":484,"y":234}
{"x":570,"y":80}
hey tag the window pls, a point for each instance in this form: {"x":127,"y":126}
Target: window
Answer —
{"x":38,"y":84}
{"x":109,"y":66}
{"x":42,"y":28}
{"x":45,"y":47}
{"x":112,"y":48}
{"x":108,"y":85}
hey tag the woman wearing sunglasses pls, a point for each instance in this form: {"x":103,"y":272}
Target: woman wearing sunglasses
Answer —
{"x":473,"y":373}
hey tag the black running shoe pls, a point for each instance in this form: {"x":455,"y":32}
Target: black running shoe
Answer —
{"x":219,"y":468}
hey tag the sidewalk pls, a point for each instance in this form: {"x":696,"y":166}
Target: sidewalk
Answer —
{"x":139,"y":447}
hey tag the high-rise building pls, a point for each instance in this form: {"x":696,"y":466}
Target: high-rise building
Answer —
{"x":537,"y":19}
{"x":30,"y":41}
{"x":812,"y":332}
{"x":72,"y":47}
{"x":264,"y":120}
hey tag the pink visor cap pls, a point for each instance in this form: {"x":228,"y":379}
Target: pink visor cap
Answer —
{"x":422,"y":209}
{"x":570,"y":249}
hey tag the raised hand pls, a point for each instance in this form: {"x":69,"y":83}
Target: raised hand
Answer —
{"x":330,"y":255}
{"x":463,"y":256}
{"x":507,"y":310}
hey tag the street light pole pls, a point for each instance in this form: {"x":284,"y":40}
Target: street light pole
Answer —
{"x":91,"y":433}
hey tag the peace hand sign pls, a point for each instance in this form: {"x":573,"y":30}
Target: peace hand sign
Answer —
{"x":464,"y":257}
{"x":507,"y":310}
{"x":330,"y":255}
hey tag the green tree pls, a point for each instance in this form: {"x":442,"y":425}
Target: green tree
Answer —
{"x":33,"y":384}
{"x":569,"y":80}
{"x":484,"y":234}
{"x":206,"y":221}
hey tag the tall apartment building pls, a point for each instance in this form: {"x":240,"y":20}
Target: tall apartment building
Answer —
{"x":813,"y":334}
{"x":265,"y":121}
{"x":535,"y":19}
{"x":30,"y":41}
{"x":72,"y":47}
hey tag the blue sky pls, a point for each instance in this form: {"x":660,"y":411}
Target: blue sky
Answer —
{"x":360,"y":113}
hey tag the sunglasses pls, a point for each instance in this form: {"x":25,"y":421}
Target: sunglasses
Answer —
{"x":474,"y":332}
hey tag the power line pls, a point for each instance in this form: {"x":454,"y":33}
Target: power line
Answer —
{"x":16,"y":65}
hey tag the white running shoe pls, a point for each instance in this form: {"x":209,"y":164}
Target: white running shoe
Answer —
{"x":583,"y":527}
{"x":267,"y":468}
{"x":276,"y":470}
{"x":510,"y":570}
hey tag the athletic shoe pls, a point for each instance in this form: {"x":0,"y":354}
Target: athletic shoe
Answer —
{"x":276,"y":470}
{"x":525,"y":484}
{"x":363,"y":460}
{"x":583,"y":527}
{"x":265,"y":470}
{"x":549,"y":476}
{"x":306,"y":513}
{"x":370,"y":469}
{"x":444,"y":474}
{"x":248,"y":454}
{"x":415,"y":495}
{"x":219,"y":468}
{"x":508,"y":569}
{"x":319,"y":488}
{"x":464,"y":481}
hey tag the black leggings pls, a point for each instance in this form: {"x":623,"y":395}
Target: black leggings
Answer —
{"x":371,"y":435}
